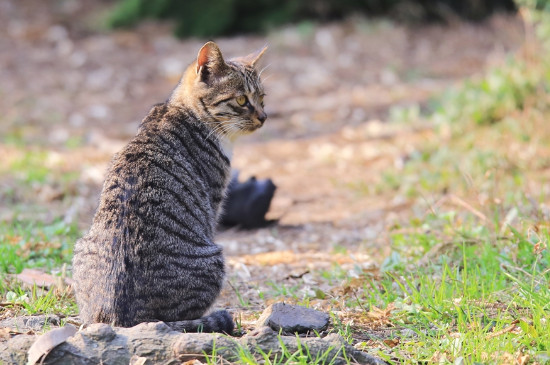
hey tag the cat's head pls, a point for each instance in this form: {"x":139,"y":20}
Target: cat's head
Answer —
{"x":227,"y":95}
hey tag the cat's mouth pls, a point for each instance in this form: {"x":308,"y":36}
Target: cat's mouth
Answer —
{"x":255,"y":124}
{"x":247,"y":129}
{"x":252,"y":125}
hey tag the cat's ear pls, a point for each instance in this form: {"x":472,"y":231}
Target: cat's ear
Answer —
{"x":254,"y":57}
{"x":210,"y":61}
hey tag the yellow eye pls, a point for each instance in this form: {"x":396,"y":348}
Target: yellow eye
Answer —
{"x":241,"y":100}
{"x":261,"y":99}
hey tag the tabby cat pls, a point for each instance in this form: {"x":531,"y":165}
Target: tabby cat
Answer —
{"x":149,"y":254}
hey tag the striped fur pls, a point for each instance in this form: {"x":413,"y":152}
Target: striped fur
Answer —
{"x":150,"y":255}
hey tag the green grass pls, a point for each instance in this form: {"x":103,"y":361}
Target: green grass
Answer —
{"x":38,"y":301}
{"x":483,"y":297}
{"x":35,"y":245}
{"x":459,"y":303}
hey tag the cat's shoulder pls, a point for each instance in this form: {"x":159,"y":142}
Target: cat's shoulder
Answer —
{"x":166,"y":112}
{"x":157,"y":112}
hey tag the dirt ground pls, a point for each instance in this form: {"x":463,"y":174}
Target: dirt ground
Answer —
{"x":79,"y":91}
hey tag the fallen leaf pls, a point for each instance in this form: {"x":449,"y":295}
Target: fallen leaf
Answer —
{"x":392,"y":342}
{"x":438,"y":358}
{"x":37,"y":277}
{"x":522,"y":359}
{"x":382,"y":315}
{"x":353,"y":285}
{"x":48,"y":341}
{"x":5,"y":333}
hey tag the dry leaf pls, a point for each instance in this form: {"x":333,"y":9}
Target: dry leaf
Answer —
{"x":5,"y":333}
{"x":522,"y":359}
{"x":49,"y":340}
{"x":438,"y":358}
{"x":41,"y":279}
{"x":353,"y":285}
{"x":192,"y":362}
{"x":381,"y":314}
{"x":392,"y":342}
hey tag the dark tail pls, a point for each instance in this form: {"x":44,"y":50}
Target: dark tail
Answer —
{"x":220,"y":321}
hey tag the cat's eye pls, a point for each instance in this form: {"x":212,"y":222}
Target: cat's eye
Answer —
{"x":261,"y":99}
{"x":241,"y":100}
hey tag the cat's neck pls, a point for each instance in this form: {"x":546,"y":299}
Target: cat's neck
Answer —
{"x":186,"y":114}
{"x":187,"y":93}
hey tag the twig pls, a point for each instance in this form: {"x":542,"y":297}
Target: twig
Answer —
{"x":510,"y":328}
{"x":9,"y":304}
{"x":458,"y":201}
{"x":299,"y":276}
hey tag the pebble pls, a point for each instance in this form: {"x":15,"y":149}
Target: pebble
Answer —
{"x":293,"y":318}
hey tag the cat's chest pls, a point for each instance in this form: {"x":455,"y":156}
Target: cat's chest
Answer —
{"x":227,"y":147}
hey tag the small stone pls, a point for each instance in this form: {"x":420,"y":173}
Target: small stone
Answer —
{"x":41,"y":321}
{"x":99,"y":331}
{"x":409,"y":333}
{"x":293,"y":318}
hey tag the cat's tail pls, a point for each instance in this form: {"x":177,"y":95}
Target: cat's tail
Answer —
{"x":220,"y":321}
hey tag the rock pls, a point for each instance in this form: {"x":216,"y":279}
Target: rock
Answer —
{"x":31,"y":323}
{"x":156,"y":343}
{"x":188,"y":345}
{"x":333,"y":348}
{"x":101,"y":343}
{"x":14,"y":351}
{"x":293,"y":319}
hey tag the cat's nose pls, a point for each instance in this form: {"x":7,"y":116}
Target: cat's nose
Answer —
{"x":262,"y":116}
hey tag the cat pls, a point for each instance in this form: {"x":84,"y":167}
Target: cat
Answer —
{"x":149,"y":254}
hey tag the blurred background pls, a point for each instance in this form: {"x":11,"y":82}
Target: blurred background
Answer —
{"x":78,"y":76}
{"x":391,"y":123}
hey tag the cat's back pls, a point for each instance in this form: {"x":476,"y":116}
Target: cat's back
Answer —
{"x":155,"y":221}
{"x":172,"y":173}
{"x":173,"y":158}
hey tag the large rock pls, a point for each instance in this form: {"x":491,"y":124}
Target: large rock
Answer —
{"x":293,"y":319}
{"x":156,"y":343}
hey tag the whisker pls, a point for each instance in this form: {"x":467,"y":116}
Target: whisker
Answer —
{"x":267,"y":77}
{"x":220,"y":131}
{"x":263,"y":69}
{"x":217,"y":128}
